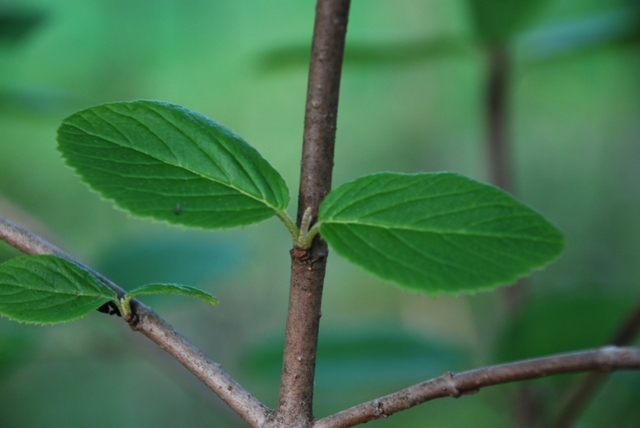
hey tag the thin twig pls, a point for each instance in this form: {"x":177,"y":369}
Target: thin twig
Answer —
{"x":455,"y":385}
{"x":585,"y":391}
{"x":308,"y":267}
{"x":155,"y":328}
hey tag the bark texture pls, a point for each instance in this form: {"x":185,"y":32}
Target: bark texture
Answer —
{"x":295,"y":407}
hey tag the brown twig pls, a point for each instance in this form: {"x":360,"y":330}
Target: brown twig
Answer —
{"x":308,"y":267}
{"x":455,"y":385}
{"x":583,"y":393}
{"x":155,"y":328}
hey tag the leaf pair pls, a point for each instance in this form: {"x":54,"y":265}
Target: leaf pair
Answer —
{"x":437,"y":233}
{"x":49,"y":289}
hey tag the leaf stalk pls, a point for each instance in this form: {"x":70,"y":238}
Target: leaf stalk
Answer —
{"x":289,"y":224}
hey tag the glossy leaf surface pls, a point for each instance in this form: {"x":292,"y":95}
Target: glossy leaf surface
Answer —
{"x":163,"y":161}
{"x":49,"y":289}
{"x":437,"y":233}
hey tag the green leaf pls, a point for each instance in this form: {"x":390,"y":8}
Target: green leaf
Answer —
{"x":498,"y":21}
{"x":173,"y":289}
{"x":163,"y":161}
{"x":17,"y":23}
{"x":552,"y":324}
{"x":581,"y":36}
{"x":436,"y":233}
{"x":372,"y":52}
{"x":49,"y":289}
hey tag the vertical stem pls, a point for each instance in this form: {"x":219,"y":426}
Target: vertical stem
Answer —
{"x":500,"y":171}
{"x":295,"y":408}
{"x":497,"y":116}
{"x":498,"y":141}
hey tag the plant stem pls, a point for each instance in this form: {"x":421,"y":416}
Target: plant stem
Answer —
{"x":456,"y":385}
{"x":497,"y":91}
{"x":500,"y":174}
{"x":498,"y":148}
{"x":147,"y":322}
{"x":307,"y":273}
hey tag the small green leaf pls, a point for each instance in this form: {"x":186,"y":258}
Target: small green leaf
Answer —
{"x":436,"y":233}
{"x":49,"y":289}
{"x":173,"y":289}
{"x":383,"y":51}
{"x":163,"y":161}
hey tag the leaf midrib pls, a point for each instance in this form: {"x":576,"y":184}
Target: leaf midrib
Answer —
{"x":17,"y":281}
{"x":221,"y":146}
{"x":437,"y":231}
{"x":173,"y":165}
{"x":23,"y":288}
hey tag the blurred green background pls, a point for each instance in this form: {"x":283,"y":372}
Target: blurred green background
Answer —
{"x":412,"y":100}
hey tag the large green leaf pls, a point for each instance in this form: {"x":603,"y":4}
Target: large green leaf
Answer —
{"x":556,"y":323}
{"x":49,"y":289}
{"x":437,"y":233}
{"x":163,"y":161}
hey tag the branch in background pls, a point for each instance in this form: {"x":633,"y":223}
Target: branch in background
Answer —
{"x":500,"y":174}
{"x":455,"y":385}
{"x":155,"y":328}
{"x":499,"y":156}
{"x":308,"y":267}
{"x":497,"y":91}
{"x":584,"y":392}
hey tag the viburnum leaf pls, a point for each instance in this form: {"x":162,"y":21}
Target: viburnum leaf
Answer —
{"x":163,"y":161}
{"x":436,"y":233}
{"x":49,"y":289}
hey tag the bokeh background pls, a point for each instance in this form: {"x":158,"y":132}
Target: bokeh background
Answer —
{"x":413,"y":99}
